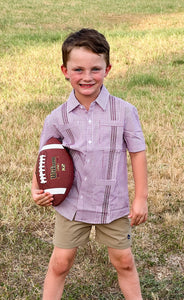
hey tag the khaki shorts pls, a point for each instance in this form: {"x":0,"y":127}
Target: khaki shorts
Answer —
{"x":71,"y":234}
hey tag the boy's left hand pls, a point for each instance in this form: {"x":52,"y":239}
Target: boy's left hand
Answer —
{"x":139,"y":212}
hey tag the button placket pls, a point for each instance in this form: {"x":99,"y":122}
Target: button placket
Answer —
{"x":89,"y":131}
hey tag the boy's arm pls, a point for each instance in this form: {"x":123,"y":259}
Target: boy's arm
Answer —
{"x":40,"y":198}
{"x":139,"y":209}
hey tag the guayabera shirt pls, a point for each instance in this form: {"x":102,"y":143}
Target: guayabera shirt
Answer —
{"x":98,"y":140}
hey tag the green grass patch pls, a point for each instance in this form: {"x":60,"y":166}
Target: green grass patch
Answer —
{"x":156,"y":289}
{"x":147,"y":79}
{"x":26,"y":23}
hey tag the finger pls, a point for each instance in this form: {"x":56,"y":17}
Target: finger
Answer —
{"x":46,"y":201}
{"x":35,"y":193}
{"x":43,"y":199}
{"x":135,"y":220}
{"x":140,"y":220}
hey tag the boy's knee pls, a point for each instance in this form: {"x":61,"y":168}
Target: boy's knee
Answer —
{"x":60,"y":264}
{"x":128,"y":263}
{"x":59,"y":267}
{"x":123,"y":260}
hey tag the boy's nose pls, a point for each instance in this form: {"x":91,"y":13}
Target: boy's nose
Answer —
{"x":87,"y":76}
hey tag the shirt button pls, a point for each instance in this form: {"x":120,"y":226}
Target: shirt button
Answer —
{"x":89,"y":142}
{"x":81,"y":196}
{"x":89,"y":121}
{"x":85,"y":178}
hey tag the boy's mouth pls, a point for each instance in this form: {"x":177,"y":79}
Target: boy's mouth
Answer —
{"x":86,"y":85}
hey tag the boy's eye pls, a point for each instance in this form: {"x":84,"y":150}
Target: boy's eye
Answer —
{"x":96,"y":69}
{"x":78,"y":70}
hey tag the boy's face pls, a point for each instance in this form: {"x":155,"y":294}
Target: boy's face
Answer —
{"x":86,"y":71}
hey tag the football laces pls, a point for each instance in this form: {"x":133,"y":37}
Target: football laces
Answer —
{"x":42,"y":174}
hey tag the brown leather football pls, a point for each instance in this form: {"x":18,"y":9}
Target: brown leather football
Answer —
{"x":55,"y":170}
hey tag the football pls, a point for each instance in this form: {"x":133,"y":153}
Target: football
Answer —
{"x":55,"y":170}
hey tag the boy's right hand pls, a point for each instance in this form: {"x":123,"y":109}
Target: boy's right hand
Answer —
{"x":41,"y":198}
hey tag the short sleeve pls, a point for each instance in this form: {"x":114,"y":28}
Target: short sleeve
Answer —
{"x":133,"y":134}
{"x":49,"y":130}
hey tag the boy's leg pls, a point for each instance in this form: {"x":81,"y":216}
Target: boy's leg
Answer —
{"x":128,"y":277}
{"x":60,"y":263}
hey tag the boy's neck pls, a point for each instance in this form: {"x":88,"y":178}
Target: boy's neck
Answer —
{"x":86,"y":104}
{"x":85,"y":101}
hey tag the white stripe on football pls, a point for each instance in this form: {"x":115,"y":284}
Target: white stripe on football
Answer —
{"x":56,"y":191}
{"x":52,"y":146}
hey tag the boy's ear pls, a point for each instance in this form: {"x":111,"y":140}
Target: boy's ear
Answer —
{"x":107,"y":70}
{"x":65,"y":72}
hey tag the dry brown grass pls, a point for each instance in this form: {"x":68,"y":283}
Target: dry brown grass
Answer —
{"x":146,"y":22}
{"x":147,"y":71}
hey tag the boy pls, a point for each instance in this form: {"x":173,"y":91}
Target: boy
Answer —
{"x":98,"y":129}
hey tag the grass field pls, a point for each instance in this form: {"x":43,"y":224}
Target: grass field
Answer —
{"x":147,"y":55}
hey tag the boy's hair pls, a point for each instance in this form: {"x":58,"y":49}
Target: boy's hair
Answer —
{"x":90,"y":39}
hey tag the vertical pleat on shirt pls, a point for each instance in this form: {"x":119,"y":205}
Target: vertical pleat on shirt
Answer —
{"x":110,"y":160}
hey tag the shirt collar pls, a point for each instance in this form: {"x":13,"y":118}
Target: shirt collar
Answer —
{"x":101,"y":100}
{"x":72,"y":102}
